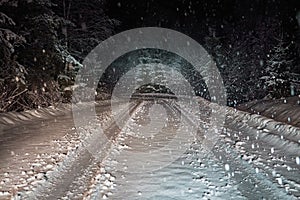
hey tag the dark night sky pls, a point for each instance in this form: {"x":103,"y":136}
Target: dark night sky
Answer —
{"x":195,"y":17}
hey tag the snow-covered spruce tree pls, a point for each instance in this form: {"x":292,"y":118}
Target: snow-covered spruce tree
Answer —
{"x":241,"y":55}
{"x":234,"y":59}
{"x":35,"y":62}
{"x":84,"y":26}
{"x":40,"y":55}
{"x":277,"y":70}
{"x":12,"y":73}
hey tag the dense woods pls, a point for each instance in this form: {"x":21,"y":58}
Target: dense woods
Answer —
{"x":256,"y":44}
{"x":43,"y":43}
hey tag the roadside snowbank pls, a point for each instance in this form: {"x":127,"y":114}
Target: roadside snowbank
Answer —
{"x":18,"y":118}
{"x":11,"y":119}
{"x":285,"y":110}
{"x":264,"y":124}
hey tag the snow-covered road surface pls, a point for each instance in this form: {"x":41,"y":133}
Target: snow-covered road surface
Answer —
{"x":253,"y":158}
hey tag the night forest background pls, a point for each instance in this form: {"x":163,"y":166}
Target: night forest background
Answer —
{"x":255,"y":44}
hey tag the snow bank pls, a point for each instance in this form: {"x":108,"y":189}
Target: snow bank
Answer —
{"x":285,"y":110}
{"x":264,"y":124}
{"x":11,"y":119}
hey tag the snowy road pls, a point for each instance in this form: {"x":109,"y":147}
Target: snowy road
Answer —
{"x":253,"y":158}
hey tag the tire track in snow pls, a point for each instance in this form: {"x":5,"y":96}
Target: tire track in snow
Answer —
{"x":64,"y":177}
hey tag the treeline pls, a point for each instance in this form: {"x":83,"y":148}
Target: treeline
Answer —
{"x":42,"y":44}
{"x":255,"y":44}
{"x":256,"y":63}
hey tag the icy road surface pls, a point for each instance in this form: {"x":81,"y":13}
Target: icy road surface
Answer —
{"x":253,"y":157}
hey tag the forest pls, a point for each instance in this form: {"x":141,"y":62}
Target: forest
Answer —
{"x":255,"y":44}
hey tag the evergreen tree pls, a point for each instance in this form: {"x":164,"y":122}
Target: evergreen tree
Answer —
{"x":277,"y":71}
{"x":12,"y":73}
